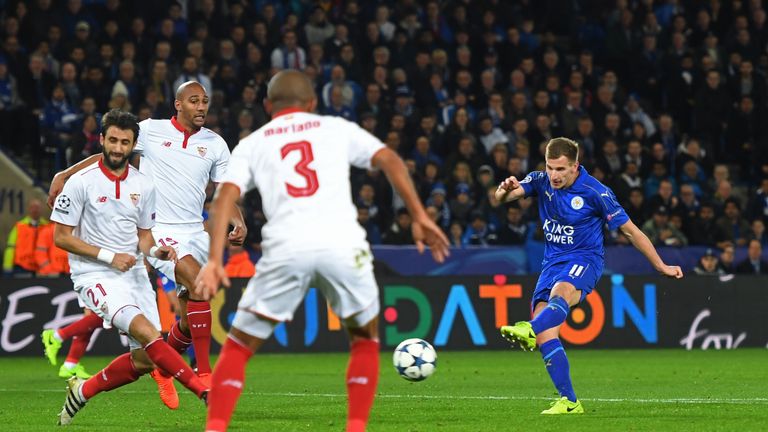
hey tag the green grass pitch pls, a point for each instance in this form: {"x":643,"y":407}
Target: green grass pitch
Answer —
{"x":622,"y":390}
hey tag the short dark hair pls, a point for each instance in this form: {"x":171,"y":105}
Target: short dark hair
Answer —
{"x":122,"y":120}
{"x":562,"y":146}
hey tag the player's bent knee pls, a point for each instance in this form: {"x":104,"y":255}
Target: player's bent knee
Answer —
{"x":124,"y":317}
{"x":142,"y":330}
{"x":254,"y":325}
{"x":364,"y":324}
{"x":253,"y":343}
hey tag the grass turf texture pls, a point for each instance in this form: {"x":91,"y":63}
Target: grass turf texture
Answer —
{"x":622,"y":390}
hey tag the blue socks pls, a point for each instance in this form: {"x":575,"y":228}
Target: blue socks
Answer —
{"x":558,"y":368}
{"x":551,"y":316}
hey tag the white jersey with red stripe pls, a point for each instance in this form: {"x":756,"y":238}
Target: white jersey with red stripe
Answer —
{"x":181,"y":164}
{"x":106,"y":211}
{"x":300,"y":163}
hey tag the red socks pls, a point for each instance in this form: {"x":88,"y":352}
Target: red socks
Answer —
{"x":227,"y":384}
{"x":178,"y":340}
{"x":86,"y":324}
{"x":118,"y":373}
{"x":165,"y":358}
{"x":199,"y":319}
{"x":362,"y":378}
{"x":77,"y":349}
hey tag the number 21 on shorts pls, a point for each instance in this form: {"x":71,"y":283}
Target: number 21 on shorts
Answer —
{"x":96,"y":296}
{"x":305,"y":150}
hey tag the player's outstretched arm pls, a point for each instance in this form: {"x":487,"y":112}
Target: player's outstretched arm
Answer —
{"x":212,"y":275}
{"x":63,"y":238}
{"x":509,"y":190}
{"x":643,"y":244}
{"x":57,"y":184}
{"x":423,"y":228}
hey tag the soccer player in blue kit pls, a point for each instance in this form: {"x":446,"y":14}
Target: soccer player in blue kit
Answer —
{"x":573,"y":207}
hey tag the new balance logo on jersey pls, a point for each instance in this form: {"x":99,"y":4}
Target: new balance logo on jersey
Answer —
{"x":199,"y":325}
{"x":557,"y":233}
{"x":101,"y":199}
{"x":232,"y":383}
{"x":358,"y":380}
{"x":167,"y":143}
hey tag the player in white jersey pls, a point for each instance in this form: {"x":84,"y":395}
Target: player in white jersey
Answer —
{"x":300,"y":162}
{"x":104,"y":217}
{"x":181,"y":157}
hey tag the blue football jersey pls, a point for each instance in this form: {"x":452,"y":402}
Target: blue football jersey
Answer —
{"x":573,"y":217}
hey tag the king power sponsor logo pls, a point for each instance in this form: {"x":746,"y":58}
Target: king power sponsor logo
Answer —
{"x":555,"y":232}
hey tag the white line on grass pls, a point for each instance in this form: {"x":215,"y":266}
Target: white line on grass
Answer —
{"x":691,"y":401}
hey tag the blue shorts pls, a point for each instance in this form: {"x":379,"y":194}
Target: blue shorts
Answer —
{"x":583,"y":273}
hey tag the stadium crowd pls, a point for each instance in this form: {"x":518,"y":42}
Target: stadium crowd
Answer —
{"x":664,"y":97}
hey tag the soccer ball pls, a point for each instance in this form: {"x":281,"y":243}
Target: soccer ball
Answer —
{"x":415,"y":359}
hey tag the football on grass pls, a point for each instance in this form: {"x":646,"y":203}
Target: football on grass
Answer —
{"x":415,"y":359}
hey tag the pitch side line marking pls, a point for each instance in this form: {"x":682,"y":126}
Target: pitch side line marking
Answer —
{"x":736,"y":401}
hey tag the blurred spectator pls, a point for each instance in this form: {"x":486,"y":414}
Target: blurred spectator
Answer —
{"x":19,"y":257}
{"x":757,"y":232}
{"x":478,"y":232}
{"x":51,"y":260}
{"x":366,"y":197}
{"x":661,"y":232}
{"x":754,"y":264}
{"x":727,"y":257}
{"x":337,"y":106}
{"x":437,"y":199}
{"x":659,"y":174}
{"x":758,"y":202}
{"x":462,"y":203}
{"x":422,"y":154}
{"x":706,"y":231}
{"x":708,"y":265}
{"x":611,"y":162}
{"x":190,"y":71}
{"x":733,"y":224}
{"x":85,"y":142}
{"x":513,"y":231}
{"x":318,"y":29}
{"x":36,"y":84}
{"x":399,"y":233}
{"x":711,"y":109}
{"x":289,"y":55}
{"x":456,"y":235}
{"x":664,"y":197}
{"x":490,"y":135}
